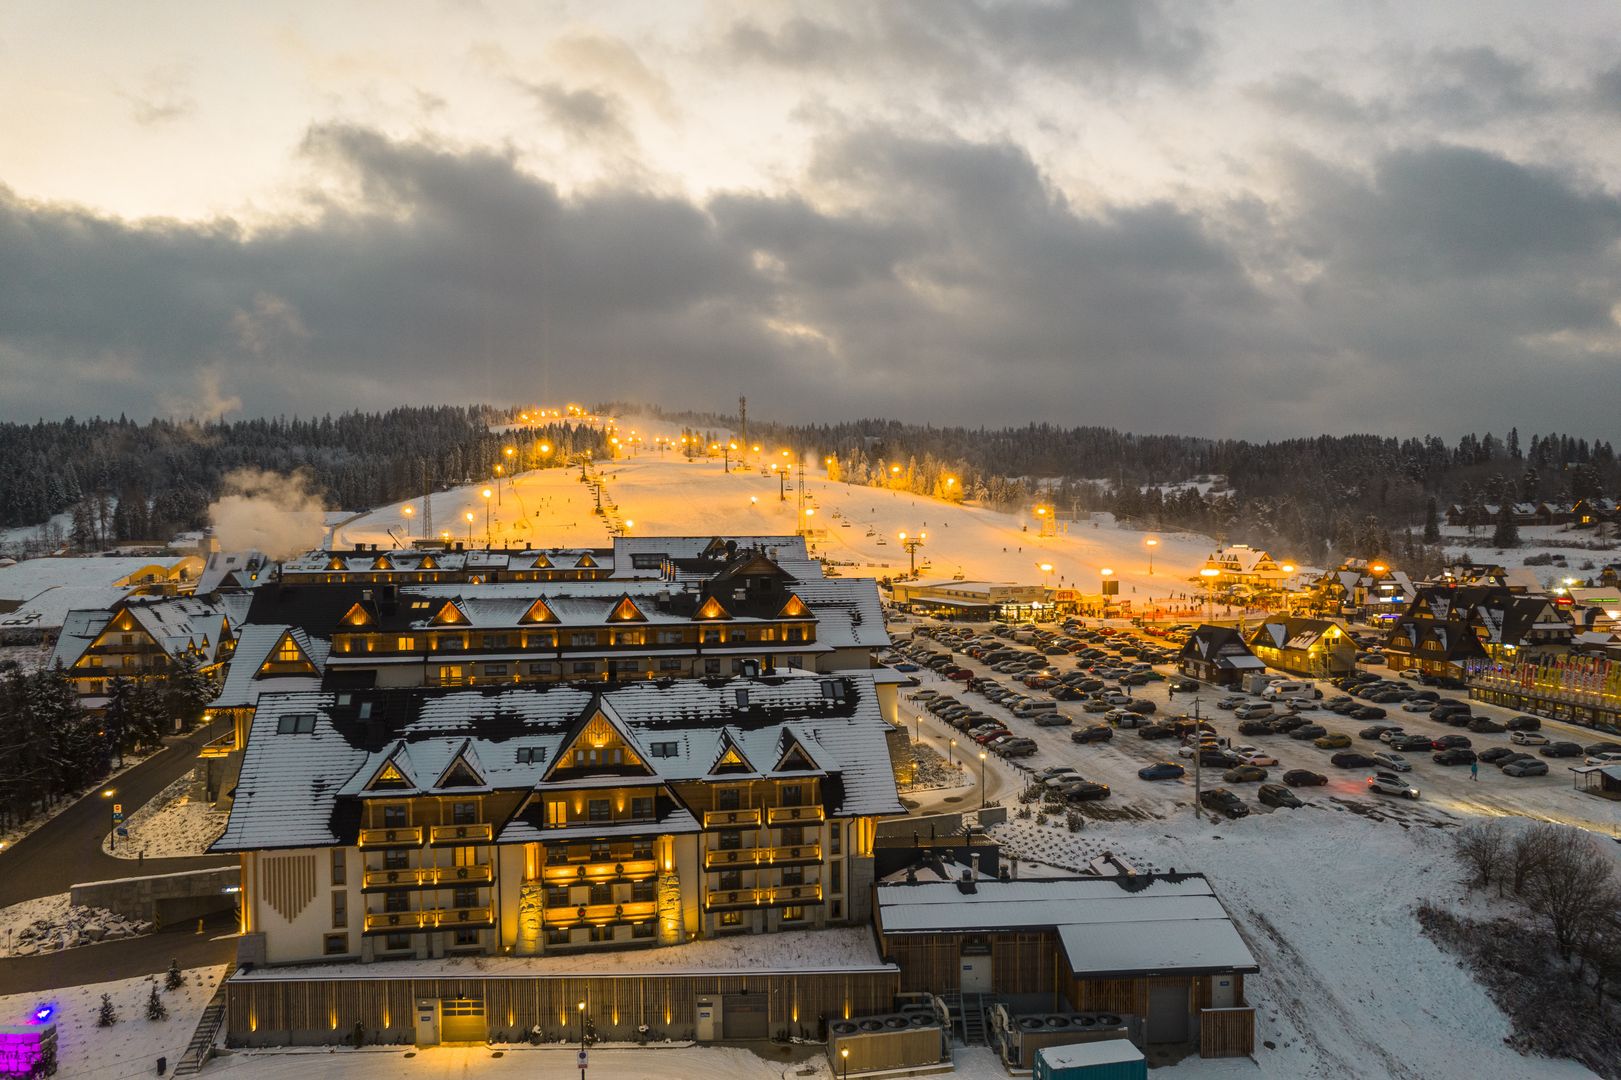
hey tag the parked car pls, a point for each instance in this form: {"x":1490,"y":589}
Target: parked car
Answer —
{"x":1485,"y":725}
{"x":1391,"y":734}
{"x":1366,"y":712}
{"x":1391,"y":760}
{"x":1232,"y":702}
{"x":1606,"y":757}
{"x":1304,"y":778}
{"x":1456,"y":755}
{"x":1352,"y":759}
{"x":1160,"y":731}
{"x":1257,"y":727}
{"x":1092,"y":733}
{"x":1388,"y":783}
{"x":1498,"y":754}
{"x":1277,"y":795}
{"x":1376,"y":732}
{"x":1528,"y":767}
{"x":1162,"y":770}
{"x":1186,"y":686}
{"x":1253,"y":711}
{"x":1409,"y":743}
{"x":1224,"y":802}
{"x":1526,"y":737}
{"x":1602,"y":748}
{"x":1042,"y":776}
{"x":1051,"y":719}
{"x":1308,"y":731}
{"x":1084,"y":791}
{"x":1332,"y":741}
{"x":1249,"y":755}
{"x":1524,"y":723}
{"x":1244,"y":774}
{"x":1561,"y":749}
{"x":1449,"y":742}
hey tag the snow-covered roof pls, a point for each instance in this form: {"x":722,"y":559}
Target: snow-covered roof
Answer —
{"x":1155,"y":945}
{"x":243,"y":681}
{"x":295,"y":789}
{"x":934,"y":907}
{"x":50,"y":608}
{"x":177,"y":624}
{"x":1082,"y":1055}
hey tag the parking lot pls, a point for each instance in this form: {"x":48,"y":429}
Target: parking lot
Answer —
{"x":1116,"y":762}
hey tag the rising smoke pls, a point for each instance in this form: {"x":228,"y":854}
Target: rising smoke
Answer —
{"x":264,"y":511}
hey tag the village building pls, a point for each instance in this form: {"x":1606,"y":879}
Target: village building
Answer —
{"x":1316,"y":648}
{"x":951,"y":598}
{"x":1445,"y":628}
{"x":1357,"y":588}
{"x":1157,"y":950}
{"x":38,"y":595}
{"x":1217,"y":654}
{"x":144,"y":637}
{"x":1241,"y":568}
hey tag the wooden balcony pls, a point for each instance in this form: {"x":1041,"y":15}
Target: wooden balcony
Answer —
{"x":405,"y":836}
{"x":220,"y":747}
{"x":600,"y":914}
{"x":622,"y":870}
{"x":481,"y":833}
{"x":732,"y":819}
{"x":749,"y":899}
{"x":760,"y":858}
{"x":795,"y":815}
{"x":426,"y":877}
{"x":428,"y":920}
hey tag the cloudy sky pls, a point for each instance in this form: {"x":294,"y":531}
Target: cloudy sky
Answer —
{"x":1220,"y":218}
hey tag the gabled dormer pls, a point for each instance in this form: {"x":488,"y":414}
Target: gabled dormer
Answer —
{"x":450,"y":613}
{"x":585,"y":562}
{"x":599,"y":743}
{"x":395,"y":773}
{"x":793,"y":608}
{"x":382,"y":562}
{"x":288,"y":657}
{"x":337,"y":562}
{"x":463,"y":770}
{"x":428,"y":562}
{"x":358,"y":615}
{"x":729,"y":757}
{"x":538,"y":613}
{"x":711,"y":610}
{"x":793,"y":757}
{"x":542,"y":562}
{"x":626,"y":611}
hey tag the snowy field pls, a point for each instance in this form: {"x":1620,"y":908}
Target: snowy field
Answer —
{"x":131,"y":1046}
{"x":172,"y":825}
{"x":1580,"y":552}
{"x":856,"y":527}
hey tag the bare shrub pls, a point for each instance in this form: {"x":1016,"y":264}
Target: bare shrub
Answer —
{"x":1483,"y":849}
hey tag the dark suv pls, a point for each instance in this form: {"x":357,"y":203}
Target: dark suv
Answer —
{"x":1224,"y":802}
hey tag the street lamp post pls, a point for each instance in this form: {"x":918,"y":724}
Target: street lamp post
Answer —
{"x":486,"y":493}
{"x":469,"y":517}
{"x":1210,"y":574}
{"x":844,"y":1058}
{"x":982,"y":779}
{"x":114,"y":811}
{"x":581,"y":1009}
{"x":1151,"y":543}
{"x":408,"y":510}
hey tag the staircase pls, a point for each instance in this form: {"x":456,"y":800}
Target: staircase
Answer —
{"x":973,"y":1019}
{"x":201,"y":1047}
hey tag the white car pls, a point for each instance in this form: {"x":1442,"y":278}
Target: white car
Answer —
{"x":1608,"y":757}
{"x":1390,"y":784}
{"x":1527,"y":738}
{"x":1392,"y":760}
{"x":1249,"y":755}
{"x":1392,"y":734}
{"x":1417,"y":706}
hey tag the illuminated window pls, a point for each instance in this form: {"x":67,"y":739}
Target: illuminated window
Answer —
{"x":793,"y":913}
{"x":286,"y":653}
{"x":556,"y":812}
{"x":451,"y":675}
{"x":405,"y":644}
{"x":731,"y":918}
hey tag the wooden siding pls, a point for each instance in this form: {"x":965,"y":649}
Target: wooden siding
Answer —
{"x":288,"y":883}
{"x":1021,"y":963}
{"x":262,"y":1012}
{"x":1227,"y":1032}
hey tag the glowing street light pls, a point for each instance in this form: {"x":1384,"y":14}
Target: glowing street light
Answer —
{"x":1210,"y":574}
{"x":469,"y":517}
{"x":911,"y":544}
{"x":1151,"y":543}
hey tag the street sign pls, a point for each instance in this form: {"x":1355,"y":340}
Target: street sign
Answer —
{"x":123,"y":831}
{"x":582,"y":1058}
{"x":117,"y":816}
{"x":118,"y":810}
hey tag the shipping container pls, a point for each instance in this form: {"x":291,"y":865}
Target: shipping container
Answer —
{"x":1112,"y":1059}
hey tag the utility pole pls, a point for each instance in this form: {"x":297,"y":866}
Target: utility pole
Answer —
{"x":742,"y":420}
{"x":1198,"y":771}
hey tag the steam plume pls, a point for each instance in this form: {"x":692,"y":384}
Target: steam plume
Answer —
{"x":265,"y":511}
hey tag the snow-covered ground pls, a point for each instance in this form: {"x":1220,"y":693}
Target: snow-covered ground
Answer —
{"x":1349,"y":985}
{"x":172,"y":825}
{"x":1580,"y":551}
{"x":17,"y":832}
{"x":50,"y":923}
{"x":131,"y":1046}
{"x":856,"y":527}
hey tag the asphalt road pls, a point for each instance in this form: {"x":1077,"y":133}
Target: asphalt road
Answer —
{"x":123,"y":959}
{"x":67,"y":849}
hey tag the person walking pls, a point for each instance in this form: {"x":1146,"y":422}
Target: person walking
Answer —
{"x":1474,"y":771}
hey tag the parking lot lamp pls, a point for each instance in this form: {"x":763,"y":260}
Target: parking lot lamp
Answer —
{"x":982,"y":779}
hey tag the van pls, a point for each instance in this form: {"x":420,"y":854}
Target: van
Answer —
{"x":1031,"y":708}
{"x":1288,"y":691}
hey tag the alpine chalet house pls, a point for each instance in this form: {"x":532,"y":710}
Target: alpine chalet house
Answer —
{"x":528,"y":820}
{"x":1444,"y":628}
{"x":1217,"y":654}
{"x":143,"y":636}
{"x":1318,"y":648}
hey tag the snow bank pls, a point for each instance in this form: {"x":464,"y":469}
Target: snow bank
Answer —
{"x":172,"y":825}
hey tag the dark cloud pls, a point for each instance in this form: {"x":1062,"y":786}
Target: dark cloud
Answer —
{"x":586,"y":115}
{"x":933,"y":278}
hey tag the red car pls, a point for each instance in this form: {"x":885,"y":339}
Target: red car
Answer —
{"x":989,"y":735}
{"x":960,"y":675}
